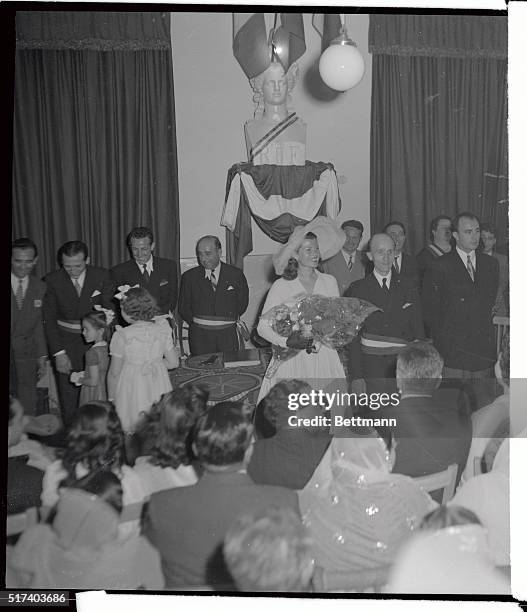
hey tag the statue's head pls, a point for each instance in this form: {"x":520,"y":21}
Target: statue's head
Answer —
{"x":273,"y":87}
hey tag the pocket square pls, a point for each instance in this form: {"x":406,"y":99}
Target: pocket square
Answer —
{"x":37,"y":303}
{"x":163,"y":282}
{"x":230,"y":288}
{"x":407,"y":305}
{"x":95,"y":293}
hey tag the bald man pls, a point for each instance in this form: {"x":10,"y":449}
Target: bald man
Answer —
{"x":372,"y":356}
{"x":213,"y":297}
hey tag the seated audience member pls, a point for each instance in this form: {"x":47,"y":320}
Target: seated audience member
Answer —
{"x":431,"y":433}
{"x":188,"y":524}
{"x":488,"y":496}
{"x":357,"y":512}
{"x":269,"y":550}
{"x":289,"y":458}
{"x":81,"y":549}
{"x":95,"y":441}
{"x":166,"y":461}
{"x":491,"y":423}
{"x":26,"y":460}
{"x":267,"y":411}
{"x":488,"y":246}
{"x":449,"y":555}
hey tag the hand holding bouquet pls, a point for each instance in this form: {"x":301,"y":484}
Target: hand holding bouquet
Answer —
{"x":315,"y":320}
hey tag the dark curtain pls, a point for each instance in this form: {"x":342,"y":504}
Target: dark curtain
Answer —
{"x":439,"y":121}
{"x":94,"y":132}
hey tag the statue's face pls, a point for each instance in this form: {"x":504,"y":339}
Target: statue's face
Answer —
{"x":275,"y":85}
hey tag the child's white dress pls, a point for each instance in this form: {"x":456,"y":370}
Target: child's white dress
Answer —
{"x":144,"y":377}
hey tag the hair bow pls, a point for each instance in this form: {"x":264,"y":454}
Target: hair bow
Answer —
{"x":109,"y":315}
{"x":123,"y":290}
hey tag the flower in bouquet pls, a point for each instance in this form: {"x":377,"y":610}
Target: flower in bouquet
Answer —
{"x":328,"y":321}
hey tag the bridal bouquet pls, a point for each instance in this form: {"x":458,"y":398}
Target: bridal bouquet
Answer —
{"x":328,"y":321}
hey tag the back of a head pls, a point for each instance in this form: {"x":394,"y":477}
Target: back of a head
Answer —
{"x":223,"y":434}
{"x":274,"y":407}
{"x":269,"y":551}
{"x":419,"y":368}
{"x":449,"y":516}
{"x":95,"y":440}
{"x":106,"y":485}
{"x":139,"y":304}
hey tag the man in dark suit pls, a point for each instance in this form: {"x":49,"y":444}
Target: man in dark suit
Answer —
{"x":28,"y":343}
{"x":157,"y":275}
{"x":71,"y":293}
{"x":213,"y":297}
{"x":459,"y":292}
{"x":440,"y":242}
{"x":187,"y":524}
{"x":404,"y":264}
{"x":431,"y":432}
{"x":347,"y":265}
{"x":373,"y":353}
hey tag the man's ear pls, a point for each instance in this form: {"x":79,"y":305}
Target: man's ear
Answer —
{"x":369,"y":256}
{"x":152,"y":246}
{"x":87,"y":260}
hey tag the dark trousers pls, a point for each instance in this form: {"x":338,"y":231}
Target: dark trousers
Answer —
{"x":203,"y":341}
{"x":479,"y":385}
{"x":26,"y":377}
{"x":68,"y":392}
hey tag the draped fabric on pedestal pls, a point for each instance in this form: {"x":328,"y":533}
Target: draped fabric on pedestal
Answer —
{"x":278,"y":198}
{"x":439,"y":120}
{"x":94,"y":132}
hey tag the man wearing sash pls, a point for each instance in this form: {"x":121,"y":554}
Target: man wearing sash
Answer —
{"x":213,"y":297}
{"x":372,"y":355}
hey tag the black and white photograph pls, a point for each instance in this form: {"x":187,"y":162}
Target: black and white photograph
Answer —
{"x":260,"y":302}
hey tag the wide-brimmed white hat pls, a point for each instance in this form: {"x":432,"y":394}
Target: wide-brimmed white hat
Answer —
{"x":330,"y":238}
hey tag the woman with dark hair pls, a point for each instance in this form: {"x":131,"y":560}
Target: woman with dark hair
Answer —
{"x":301,"y":256}
{"x":81,"y":548}
{"x":94,"y":443}
{"x":166,"y":458}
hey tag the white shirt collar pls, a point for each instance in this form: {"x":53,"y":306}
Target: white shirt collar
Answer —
{"x":464,"y":256}
{"x":399,"y":259}
{"x":149,"y":265}
{"x":348,"y":256}
{"x":379,"y":277}
{"x":216,"y":272}
{"x":15,"y":280}
{"x":80,"y":280}
{"x":101,"y":343}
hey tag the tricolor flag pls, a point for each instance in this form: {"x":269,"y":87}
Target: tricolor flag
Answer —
{"x":251,"y":43}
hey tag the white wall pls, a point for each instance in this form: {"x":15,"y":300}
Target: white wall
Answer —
{"x":214,"y":99}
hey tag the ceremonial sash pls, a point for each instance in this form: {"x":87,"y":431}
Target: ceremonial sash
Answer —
{"x":373,"y":344}
{"x":435,"y":250}
{"x":70,"y":326}
{"x":273,"y":133}
{"x":213,"y":322}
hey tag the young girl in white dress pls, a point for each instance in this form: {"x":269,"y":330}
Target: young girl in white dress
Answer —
{"x":141,"y":355}
{"x":319,"y":369}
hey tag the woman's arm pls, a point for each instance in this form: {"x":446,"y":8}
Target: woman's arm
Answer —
{"x":171,"y":358}
{"x":116,"y":366}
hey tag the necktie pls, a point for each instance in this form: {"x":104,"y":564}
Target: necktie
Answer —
{"x":396,"y":264}
{"x":470,"y":268}
{"x":384,"y":285}
{"x":213,"y":280}
{"x":19,"y":296}
{"x":78,"y":288}
{"x":146,"y":276}
{"x":350,"y":262}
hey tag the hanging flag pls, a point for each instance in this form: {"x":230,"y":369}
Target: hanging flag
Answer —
{"x":250,"y":45}
{"x":328,"y":26}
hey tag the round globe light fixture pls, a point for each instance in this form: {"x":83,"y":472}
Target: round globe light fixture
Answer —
{"x":341,"y":66}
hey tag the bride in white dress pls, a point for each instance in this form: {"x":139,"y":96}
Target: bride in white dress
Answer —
{"x":319,"y":369}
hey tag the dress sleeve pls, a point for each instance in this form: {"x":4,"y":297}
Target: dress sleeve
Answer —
{"x":50,"y":483}
{"x":92,"y":358}
{"x":117,"y":344}
{"x":275,"y":297}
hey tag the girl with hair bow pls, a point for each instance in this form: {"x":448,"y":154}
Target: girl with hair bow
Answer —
{"x":97,"y":327}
